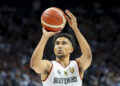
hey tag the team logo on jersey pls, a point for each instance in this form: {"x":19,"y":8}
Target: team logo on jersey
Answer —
{"x":65,"y":72}
{"x":71,"y":69}
{"x":58,"y":71}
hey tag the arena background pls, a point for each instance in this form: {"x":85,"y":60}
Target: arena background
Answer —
{"x":20,"y":32}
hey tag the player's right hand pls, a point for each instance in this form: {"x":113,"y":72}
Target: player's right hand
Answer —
{"x":49,"y":34}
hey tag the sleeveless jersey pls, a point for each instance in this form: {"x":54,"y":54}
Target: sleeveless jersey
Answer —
{"x":63,"y":76}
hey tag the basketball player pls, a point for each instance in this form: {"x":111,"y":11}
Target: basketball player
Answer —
{"x":62,"y":71}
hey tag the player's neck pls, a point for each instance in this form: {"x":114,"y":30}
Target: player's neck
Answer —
{"x":63,"y":61}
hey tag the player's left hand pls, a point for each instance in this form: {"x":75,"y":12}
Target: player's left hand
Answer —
{"x":49,"y":34}
{"x":71,"y":19}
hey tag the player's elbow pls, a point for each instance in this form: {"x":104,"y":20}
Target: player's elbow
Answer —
{"x":34,"y":67}
{"x":32,"y":63}
{"x":89,"y":55}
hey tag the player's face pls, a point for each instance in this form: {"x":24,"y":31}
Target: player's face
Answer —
{"x":63,"y":47}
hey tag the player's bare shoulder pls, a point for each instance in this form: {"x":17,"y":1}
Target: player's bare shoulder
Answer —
{"x":45,"y":66}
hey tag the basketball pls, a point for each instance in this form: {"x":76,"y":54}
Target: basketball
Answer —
{"x":53,"y":19}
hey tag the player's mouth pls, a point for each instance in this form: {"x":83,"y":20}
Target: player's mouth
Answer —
{"x":59,"y":51}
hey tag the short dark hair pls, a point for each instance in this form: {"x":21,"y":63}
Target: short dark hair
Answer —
{"x":66,"y":35}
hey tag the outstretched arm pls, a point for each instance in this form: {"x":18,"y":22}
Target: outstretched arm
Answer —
{"x":85,"y":60}
{"x":37,"y":64}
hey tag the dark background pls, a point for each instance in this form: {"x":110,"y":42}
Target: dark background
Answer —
{"x":20,"y":32}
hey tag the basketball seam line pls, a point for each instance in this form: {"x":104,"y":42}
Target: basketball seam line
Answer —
{"x":53,"y":17}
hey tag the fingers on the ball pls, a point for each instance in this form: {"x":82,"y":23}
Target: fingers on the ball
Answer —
{"x":69,"y":13}
{"x":59,"y":31}
{"x":43,"y":29}
{"x":67,"y":18}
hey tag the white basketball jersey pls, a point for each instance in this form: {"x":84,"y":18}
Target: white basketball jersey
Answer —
{"x":63,"y":76}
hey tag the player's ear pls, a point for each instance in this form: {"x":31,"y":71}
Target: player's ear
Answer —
{"x":71,"y":50}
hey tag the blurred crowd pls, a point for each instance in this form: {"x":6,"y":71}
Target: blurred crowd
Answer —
{"x":20,"y":34}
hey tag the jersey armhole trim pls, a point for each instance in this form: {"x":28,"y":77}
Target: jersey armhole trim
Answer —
{"x":48,"y":73}
{"x":78,"y":69}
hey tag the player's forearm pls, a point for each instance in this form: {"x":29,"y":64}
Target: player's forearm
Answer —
{"x":85,"y":48}
{"x":38,"y":52}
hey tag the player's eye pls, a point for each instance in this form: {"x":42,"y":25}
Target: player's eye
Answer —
{"x":57,"y":43}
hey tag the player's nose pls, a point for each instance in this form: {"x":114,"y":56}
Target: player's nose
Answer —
{"x":59,"y":47}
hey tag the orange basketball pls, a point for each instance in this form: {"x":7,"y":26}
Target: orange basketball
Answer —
{"x":53,"y":19}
